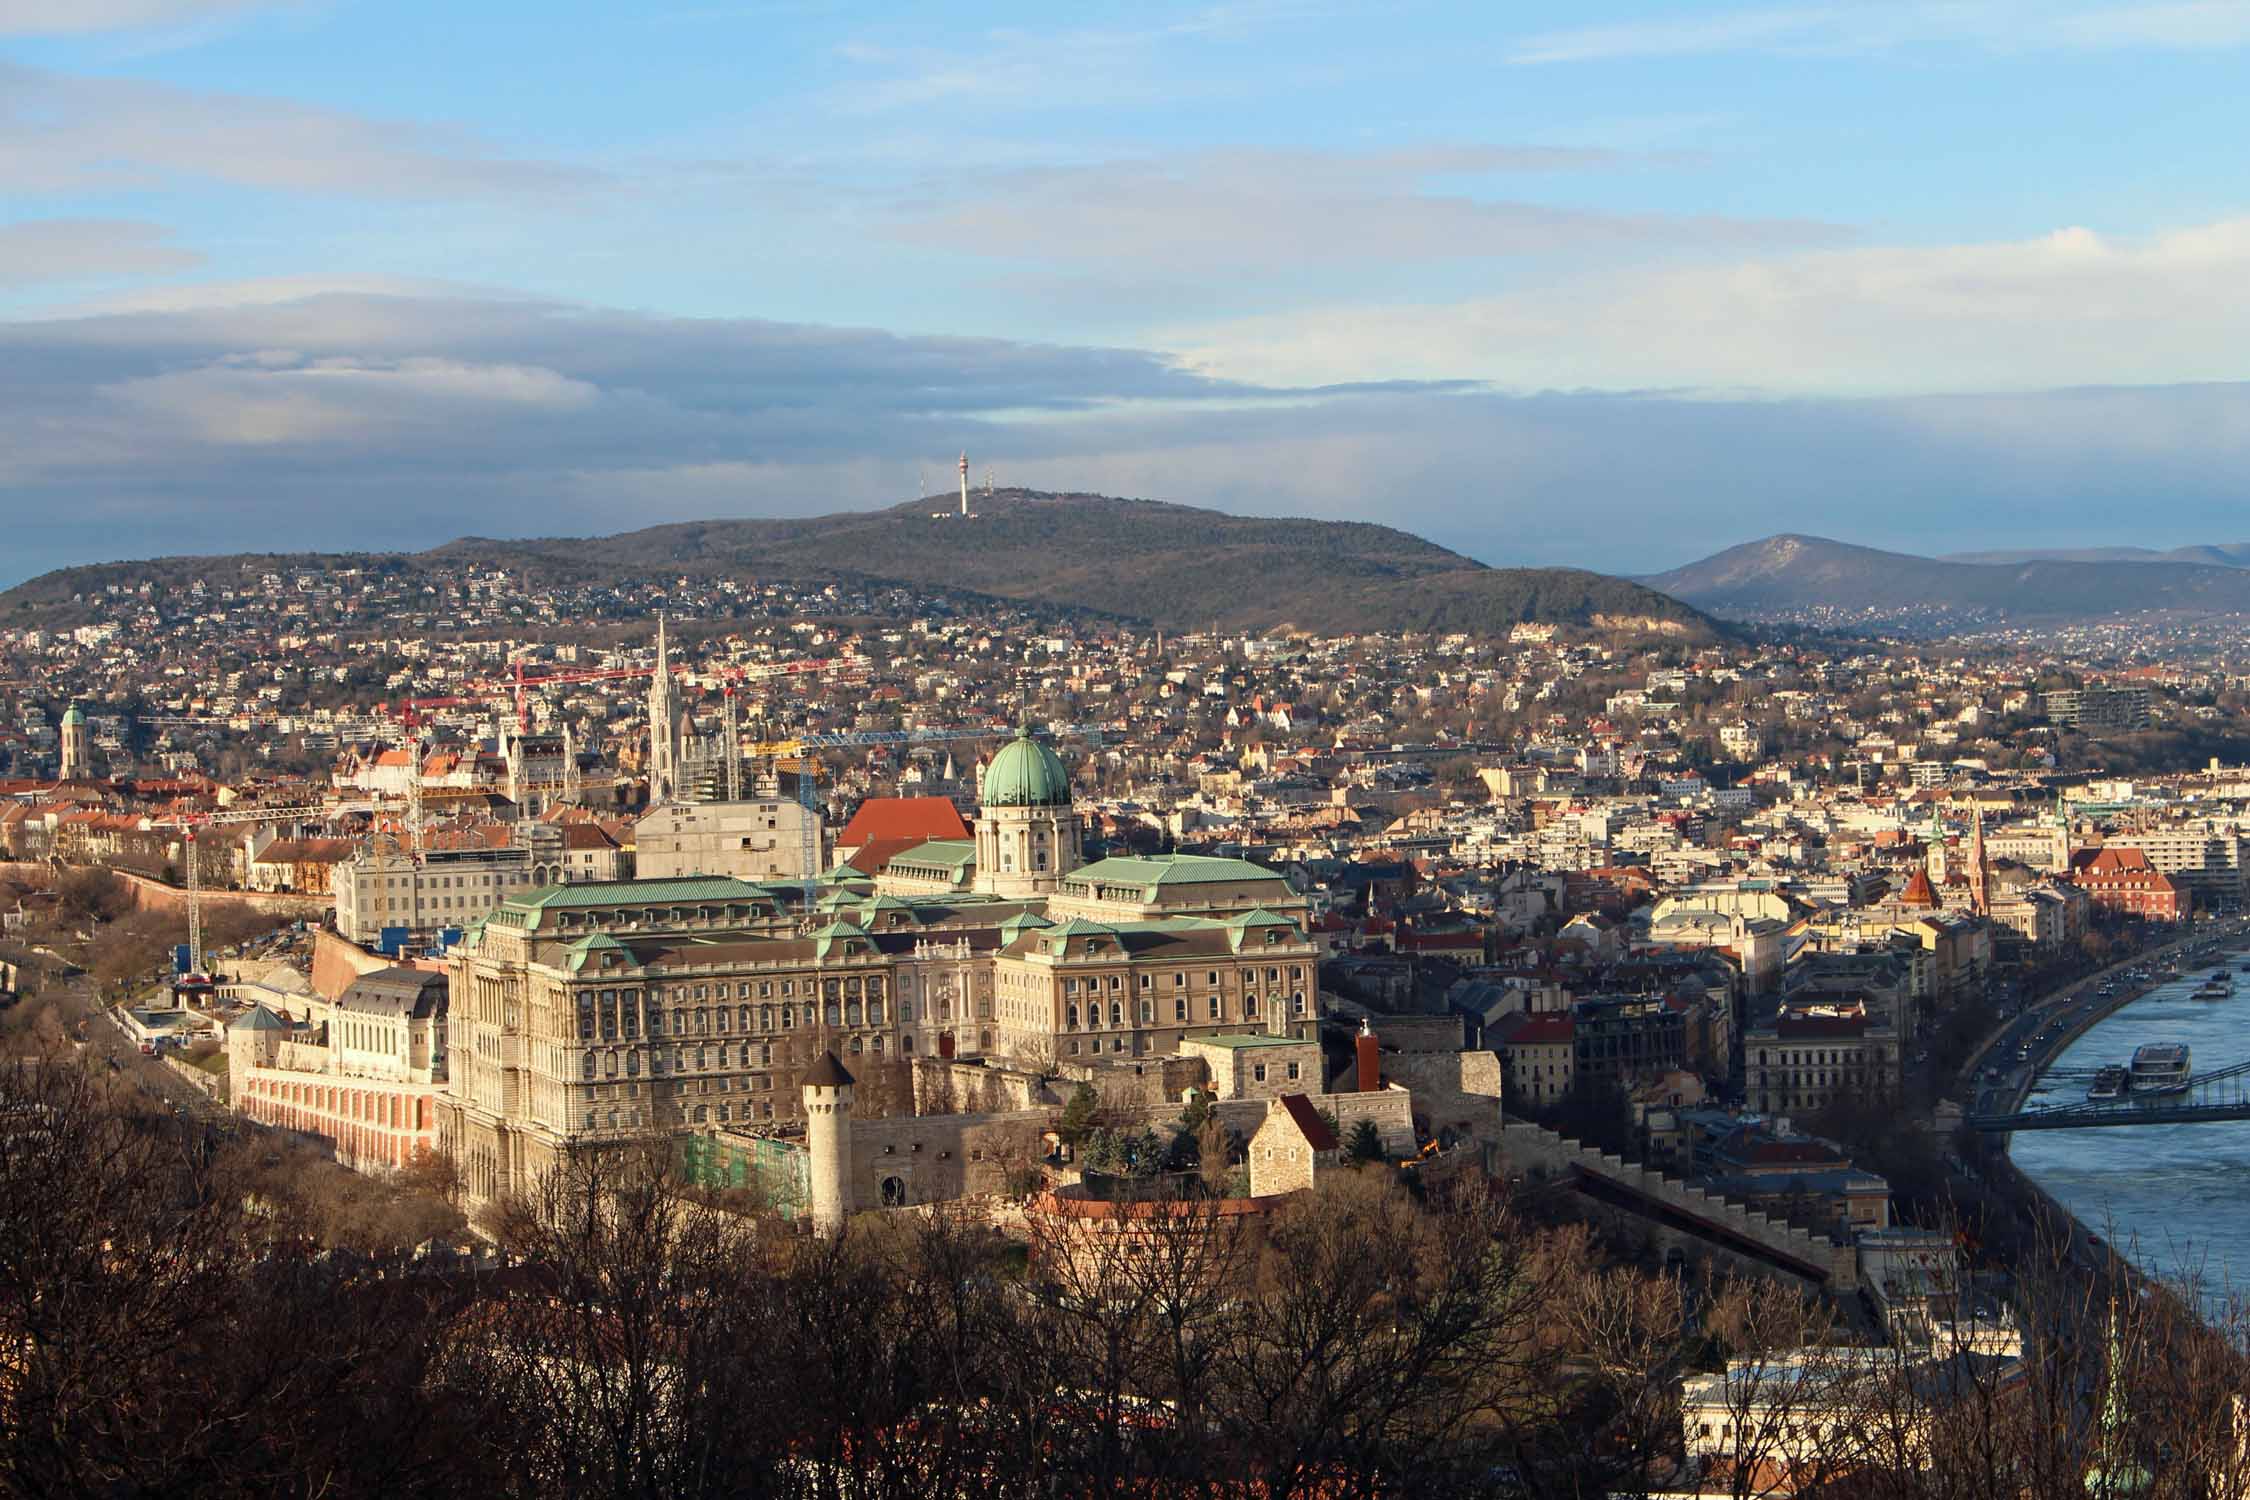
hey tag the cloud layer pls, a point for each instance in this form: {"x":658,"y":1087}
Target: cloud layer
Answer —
{"x":1843,"y":30}
{"x":2069,"y":308}
{"x":1247,"y":208}
{"x":355,"y":420}
{"x":37,"y":250}
{"x":81,"y":17}
{"x":64,"y":132}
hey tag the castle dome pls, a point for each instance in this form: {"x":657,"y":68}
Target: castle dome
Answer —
{"x":1026,"y":774}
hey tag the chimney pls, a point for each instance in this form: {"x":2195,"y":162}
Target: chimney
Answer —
{"x":1370,"y":1059}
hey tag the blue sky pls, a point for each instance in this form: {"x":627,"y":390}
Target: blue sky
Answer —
{"x":1605,"y":284}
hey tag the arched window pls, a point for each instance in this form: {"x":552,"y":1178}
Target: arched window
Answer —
{"x":851,"y":1012}
{"x":1117,"y":1013}
{"x":835,"y":1014}
{"x":1070,"y":1021}
{"x":874,"y":1012}
{"x":765,"y":1018}
{"x":906,"y":1045}
{"x":587,"y":1065}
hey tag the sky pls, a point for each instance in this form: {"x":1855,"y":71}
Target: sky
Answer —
{"x":1611,"y":285}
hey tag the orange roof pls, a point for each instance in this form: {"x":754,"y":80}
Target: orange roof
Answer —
{"x":915,"y":818}
{"x":1919,"y":891}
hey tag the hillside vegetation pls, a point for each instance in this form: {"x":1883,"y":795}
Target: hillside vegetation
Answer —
{"x":1169,"y":565}
{"x":1784,"y":574}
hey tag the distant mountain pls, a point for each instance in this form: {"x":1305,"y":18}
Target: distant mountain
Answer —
{"x":1809,"y":577}
{"x":2223,"y":555}
{"x":1169,"y":565}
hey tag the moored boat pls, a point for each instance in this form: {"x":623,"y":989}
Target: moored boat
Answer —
{"x":2160,"y":1068}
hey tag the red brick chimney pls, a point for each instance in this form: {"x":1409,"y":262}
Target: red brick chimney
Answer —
{"x":1370,"y":1060}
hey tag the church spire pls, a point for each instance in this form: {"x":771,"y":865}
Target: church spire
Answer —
{"x":663,"y":746}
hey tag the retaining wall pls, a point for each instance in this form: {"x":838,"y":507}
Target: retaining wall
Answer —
{"x":1529,"y":1145}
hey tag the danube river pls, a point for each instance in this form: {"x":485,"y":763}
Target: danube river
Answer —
{"x":2175,"y":1198}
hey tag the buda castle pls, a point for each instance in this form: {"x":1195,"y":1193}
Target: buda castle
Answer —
{"x":586,"y":1012}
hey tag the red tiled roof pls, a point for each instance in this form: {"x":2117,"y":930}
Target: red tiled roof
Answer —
{"x":869,"y":858}
{"x":917,"y":819}
{"x":1534,"y":1031}
{"x":1316,"y":1131}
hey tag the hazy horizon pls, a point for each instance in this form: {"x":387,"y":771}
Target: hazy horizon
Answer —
{"x":328,"y":275}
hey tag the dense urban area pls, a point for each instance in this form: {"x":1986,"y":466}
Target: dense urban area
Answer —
{"x":703,"y":1035}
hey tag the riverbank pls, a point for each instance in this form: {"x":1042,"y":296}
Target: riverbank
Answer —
{"x":2083,"y":1184}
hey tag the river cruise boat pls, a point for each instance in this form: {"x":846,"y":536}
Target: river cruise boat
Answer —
{"x":2109,"y":1083}
{"x":2160,"y":1068}
{"x":2218,"y":987}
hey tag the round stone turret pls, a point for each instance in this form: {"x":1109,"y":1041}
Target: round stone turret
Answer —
{"x":828,"y":1142}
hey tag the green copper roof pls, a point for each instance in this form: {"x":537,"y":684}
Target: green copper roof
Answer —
{"x":582,"y":952}
{"x":72,"y":715}
{"x":639,"y":893}
{"x":1025,"y":774}
{"x":826,"y":940}
{"x":1022,"y":922}
{"x":1170,"y":869}
{"x":949,"y":854}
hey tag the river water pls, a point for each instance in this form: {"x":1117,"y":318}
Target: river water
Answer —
{"x":2175,"y":1198}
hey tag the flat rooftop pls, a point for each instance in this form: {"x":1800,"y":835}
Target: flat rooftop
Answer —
{"x":1247,"y":1041}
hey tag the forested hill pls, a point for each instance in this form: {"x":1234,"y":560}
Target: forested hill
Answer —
{"x":1170,"y":565}
{"x":1784,"y":576}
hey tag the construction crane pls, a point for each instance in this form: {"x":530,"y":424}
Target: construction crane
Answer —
{"x":188,"y":823}
{"x":790,"y":749}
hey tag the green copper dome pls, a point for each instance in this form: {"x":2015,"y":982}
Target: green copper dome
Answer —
{"x":71,"y":715}
{"x":1026,"y":774}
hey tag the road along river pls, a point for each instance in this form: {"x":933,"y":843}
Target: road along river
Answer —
{"x":2175,"y":1199}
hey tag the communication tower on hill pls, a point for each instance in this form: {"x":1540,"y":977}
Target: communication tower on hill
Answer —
{"x":964,"y":513}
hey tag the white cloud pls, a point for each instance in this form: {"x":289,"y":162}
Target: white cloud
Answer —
{"x":77,"y":17}
{"x":65,"y":133}
{"x":2070,"y":308}
{"x":1020,"y":68}
{"x":1257,"y":208}
{"x":273,"y":397}
{"x":2001,"y":26}
{"x":36,"y":250}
